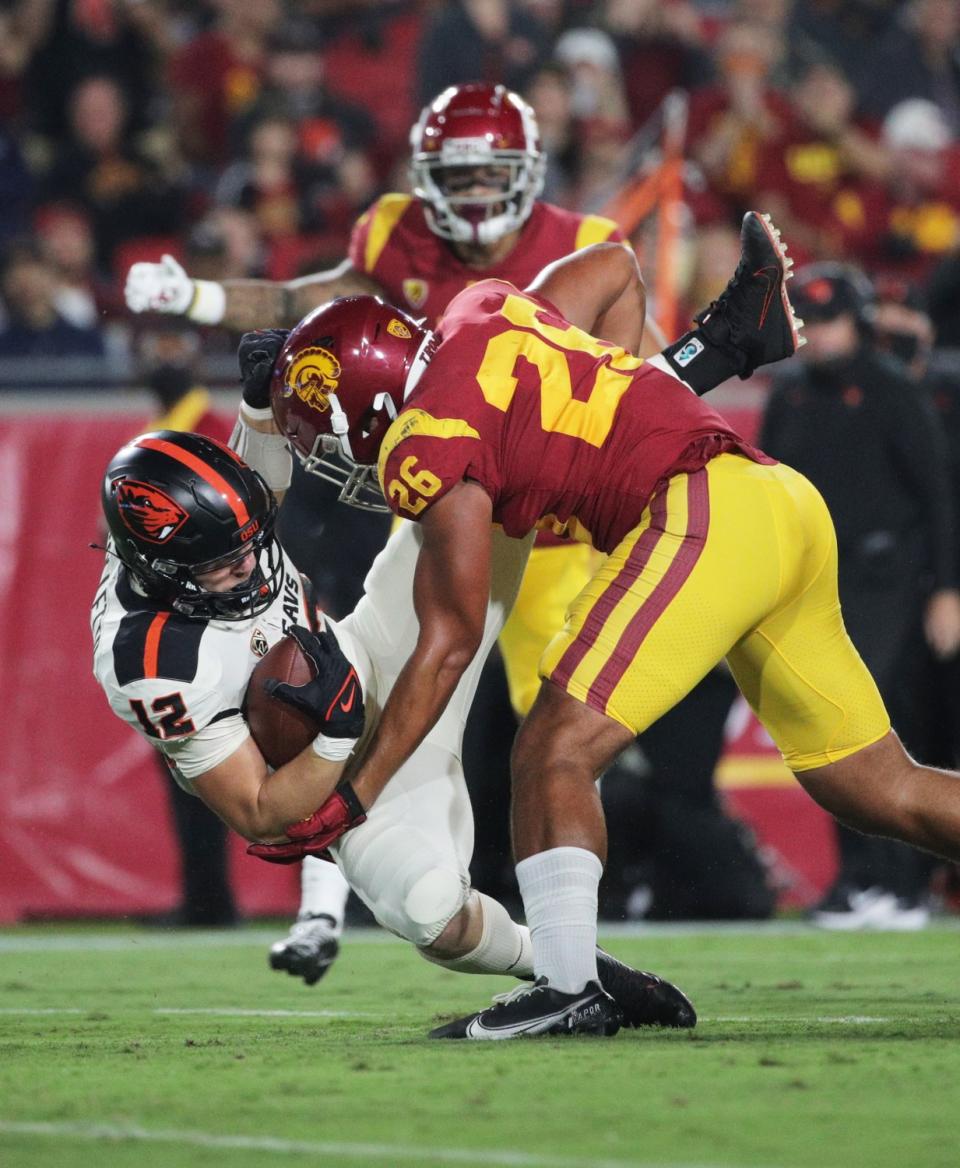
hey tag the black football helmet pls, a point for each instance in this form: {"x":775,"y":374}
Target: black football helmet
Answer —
{"x":178,"y":505}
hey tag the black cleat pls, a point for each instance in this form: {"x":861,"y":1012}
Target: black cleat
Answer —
{"x":538,"y":1009}
{"x":308,"y":950}
{"x":643,"y":998}
{"x":752,"y":321}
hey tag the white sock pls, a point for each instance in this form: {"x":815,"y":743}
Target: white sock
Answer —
{"x":323,"y":891}
{"x":504,"y":946}
{"x":559,"y":890}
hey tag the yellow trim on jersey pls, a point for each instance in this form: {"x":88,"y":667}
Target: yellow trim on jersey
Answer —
{"x":594,"y":229}
{"x":385,"y":214}
{"x":186,"y":413}
{"x":418,"y":423}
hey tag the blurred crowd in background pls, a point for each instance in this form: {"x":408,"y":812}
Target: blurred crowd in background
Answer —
{"x":245,"y":139}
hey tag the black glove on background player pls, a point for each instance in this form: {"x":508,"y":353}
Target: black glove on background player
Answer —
{"x":257,"y":354}
{"x":333,"y":698}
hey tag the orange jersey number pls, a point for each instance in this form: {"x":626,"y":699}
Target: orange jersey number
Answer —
{"x":546,"y":347}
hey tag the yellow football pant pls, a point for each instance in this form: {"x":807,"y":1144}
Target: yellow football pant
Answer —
{"x":554,"y":577}
{"x":738,"y":560}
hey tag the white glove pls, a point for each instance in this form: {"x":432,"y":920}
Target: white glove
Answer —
{"x":166,"y":287}
{"x":163,"y":287}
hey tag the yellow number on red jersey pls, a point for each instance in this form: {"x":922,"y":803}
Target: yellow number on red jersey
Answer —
{"x":414,"y":482}
{"x":546,"y":347}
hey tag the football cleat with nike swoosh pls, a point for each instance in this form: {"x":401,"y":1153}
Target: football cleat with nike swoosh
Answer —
{"x":532,"y":1010}
{"x":752,"y":321}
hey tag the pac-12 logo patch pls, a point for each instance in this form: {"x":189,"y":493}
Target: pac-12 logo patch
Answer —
{"x":148,"y":512}
{"x":313,"y":376}
{"x":396,"y":328}
{"x":416,"y":292}
{"x":258,"y":643}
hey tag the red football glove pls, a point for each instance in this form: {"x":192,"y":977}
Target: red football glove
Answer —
{"x":313,"y":835}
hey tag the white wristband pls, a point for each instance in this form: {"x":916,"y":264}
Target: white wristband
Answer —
{"x":255,"y":413}
{"x":209,"y":302}
{"x":333,"y":749}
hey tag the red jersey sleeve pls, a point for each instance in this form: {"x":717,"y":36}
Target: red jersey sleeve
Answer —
{"x":423,"y":457}
{"x":373,"y":230}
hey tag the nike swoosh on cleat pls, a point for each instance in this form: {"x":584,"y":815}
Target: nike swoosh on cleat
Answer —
{"x":476,"y":1028}
{"x":771,"y":288}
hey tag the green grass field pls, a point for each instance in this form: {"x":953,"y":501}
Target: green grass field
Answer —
{"x":130,"y":1047}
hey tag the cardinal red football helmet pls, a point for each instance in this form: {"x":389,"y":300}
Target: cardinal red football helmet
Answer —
{"x":469,"y":127}
{"x":339,"y":381}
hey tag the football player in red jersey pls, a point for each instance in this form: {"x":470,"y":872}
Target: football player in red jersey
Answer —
{"x":476,"y":172}
{"x":713,"y":550}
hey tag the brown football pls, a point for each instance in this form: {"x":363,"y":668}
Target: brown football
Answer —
{"x":278,"y":729}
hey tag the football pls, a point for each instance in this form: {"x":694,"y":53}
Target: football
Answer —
{"x":278,"y":729}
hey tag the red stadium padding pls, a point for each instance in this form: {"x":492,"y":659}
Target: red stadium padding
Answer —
{"x":85,"y":829}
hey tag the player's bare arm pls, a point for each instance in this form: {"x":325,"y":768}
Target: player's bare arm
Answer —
{"x":238,"y":304}
{"x":265,"y":304}
{"x":451,"y":588}
{"x":259,"y":805}
{"x":600,"y":290}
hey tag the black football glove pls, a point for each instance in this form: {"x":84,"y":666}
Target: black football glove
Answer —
{"x":257,"y":355}
{"x":333,"y":698}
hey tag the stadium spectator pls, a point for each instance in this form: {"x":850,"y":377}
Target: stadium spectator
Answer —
{"x":841,"y":31}
{"x":731,"y":120}
{"x":917,"y":57}
{"x":111,"y":39}
{"x":818,"y":174}
{"x":217,"y":76}
{"x":896,"y":539}
{"x":66,"y":239}
{"x":550,"y":94}
{"x":33,"y":326}
{"x":497,"y":41}
{"x":23,"y":25}
{"x":661,"y":47}
{"x":104,"y":171}
{"x":916,"y":220}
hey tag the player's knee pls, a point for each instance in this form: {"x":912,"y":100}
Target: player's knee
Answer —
{"x":430,"y":903}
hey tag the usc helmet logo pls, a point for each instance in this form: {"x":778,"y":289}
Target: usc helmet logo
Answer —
{"x":312,"y":376}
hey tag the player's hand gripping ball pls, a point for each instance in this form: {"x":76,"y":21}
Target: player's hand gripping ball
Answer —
{"x":302,"y":687}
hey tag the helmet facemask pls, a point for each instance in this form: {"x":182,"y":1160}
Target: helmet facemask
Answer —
{"x":332,"y":457}
{"x":473,"y":217}
{"x":176,"y":584}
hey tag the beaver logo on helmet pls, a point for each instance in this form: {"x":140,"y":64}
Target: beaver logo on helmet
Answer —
{"x":149,"y":512}
{"x":312,"y":376}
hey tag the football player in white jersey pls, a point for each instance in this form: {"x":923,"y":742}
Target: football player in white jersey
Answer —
{"x":196,"y":588}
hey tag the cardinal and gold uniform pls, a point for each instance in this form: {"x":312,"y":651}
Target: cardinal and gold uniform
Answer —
{"x":417,"y":270}
{"x":713,"y":548}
